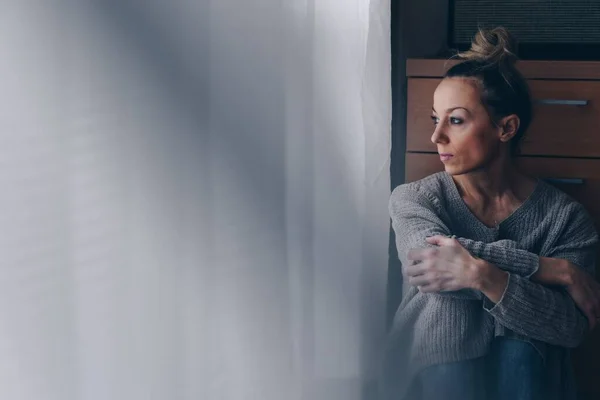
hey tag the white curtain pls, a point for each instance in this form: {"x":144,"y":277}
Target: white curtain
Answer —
{"x":194,"y":199}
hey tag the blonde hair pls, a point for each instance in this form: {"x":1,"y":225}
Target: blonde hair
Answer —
{"x":495,"y":46}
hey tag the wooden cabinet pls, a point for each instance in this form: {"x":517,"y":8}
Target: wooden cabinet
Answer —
{"x":562,"y":146}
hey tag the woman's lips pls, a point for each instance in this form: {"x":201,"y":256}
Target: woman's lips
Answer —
{"x":445,"y":156}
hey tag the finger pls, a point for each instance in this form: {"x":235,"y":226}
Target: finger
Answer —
{"x":421,"y":280}
{"x":421,"y":254}
{"x":440,"y":240}
{"x":416,"y":269}
{"x":591,"y":318}
{"x":596,"y":314}
{"x":416,"y":254}
{"x":430,"y":288}
{"x":596,"y":308}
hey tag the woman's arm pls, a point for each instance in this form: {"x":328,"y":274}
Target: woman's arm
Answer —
{"x":415,"y":218}
{"x":549,"y":315}
{"x":551,"y":272}
{"x":533,"y":310}
{"x":521,"y":305}
{"x":508,"y":257}
{"x":505,"y":254}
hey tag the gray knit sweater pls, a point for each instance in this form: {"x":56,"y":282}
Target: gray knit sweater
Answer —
{"x":446,"y":327}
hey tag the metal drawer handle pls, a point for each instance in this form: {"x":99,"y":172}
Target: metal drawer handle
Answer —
{"x":566,"y":181}
{"x":560,"y":102}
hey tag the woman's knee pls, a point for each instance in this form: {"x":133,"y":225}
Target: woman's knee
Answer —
{"x":515,"y":353}
{"x":515,"y":370}
{"x":459,"y":380}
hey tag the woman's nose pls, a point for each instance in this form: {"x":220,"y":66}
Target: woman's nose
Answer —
{"x":438,"y":135}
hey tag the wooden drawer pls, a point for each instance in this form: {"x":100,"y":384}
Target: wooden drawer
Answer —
{"x":566,"y":118}
{"x":582,"y":181}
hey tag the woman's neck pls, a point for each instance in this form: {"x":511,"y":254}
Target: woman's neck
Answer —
{"x":499,"y":180}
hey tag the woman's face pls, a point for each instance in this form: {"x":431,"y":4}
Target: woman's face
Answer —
{"x":465,"y":135}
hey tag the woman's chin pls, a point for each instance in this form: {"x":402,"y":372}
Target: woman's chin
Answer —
{"x":451,"y":169}
{"x":454,"y":169}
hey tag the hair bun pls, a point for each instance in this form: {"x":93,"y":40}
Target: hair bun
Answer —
{"x":494,"y":46}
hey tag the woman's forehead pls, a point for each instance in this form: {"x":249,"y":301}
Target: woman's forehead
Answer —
{"x":454,"y":93}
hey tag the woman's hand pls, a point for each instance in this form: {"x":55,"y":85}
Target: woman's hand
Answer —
{"x":448,"y":267}
{"x":585,"y":291}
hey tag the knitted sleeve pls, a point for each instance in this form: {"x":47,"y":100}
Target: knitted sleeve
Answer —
{"x":541,"y":313}
{"x":415,"y":216}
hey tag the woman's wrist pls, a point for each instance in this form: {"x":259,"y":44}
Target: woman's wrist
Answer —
{"x":555,"y":271}
{"x":491,"y":280}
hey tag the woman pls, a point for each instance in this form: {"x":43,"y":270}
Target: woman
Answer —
{"x":497,"y":264}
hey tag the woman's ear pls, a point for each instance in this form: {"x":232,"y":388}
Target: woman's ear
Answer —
{"x":509,"y":126}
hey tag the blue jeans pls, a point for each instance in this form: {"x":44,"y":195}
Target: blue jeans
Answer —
{"x":513,"y":370}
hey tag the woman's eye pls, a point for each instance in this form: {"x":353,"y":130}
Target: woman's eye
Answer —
{"x":435,"y":120}
{"x":455,"y":121}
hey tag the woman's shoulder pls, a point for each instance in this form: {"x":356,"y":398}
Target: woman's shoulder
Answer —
{"x":562,"y":207}
{"x":432,"y":185}
{"x":425,"y":193}
{"x":554,"y":198}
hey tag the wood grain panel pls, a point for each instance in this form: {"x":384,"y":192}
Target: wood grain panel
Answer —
{"x":531,"y":69}
{"x":419,"y":126}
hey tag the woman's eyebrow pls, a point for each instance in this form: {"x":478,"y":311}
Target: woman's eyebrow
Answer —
{"x":452,"y":109}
